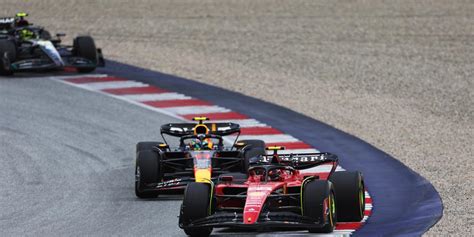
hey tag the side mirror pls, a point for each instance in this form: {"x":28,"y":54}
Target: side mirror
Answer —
{"x":239,"y":145}
{"x":163,"y":146}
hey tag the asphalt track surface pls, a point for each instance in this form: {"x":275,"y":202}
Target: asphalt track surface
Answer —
{"x":68,"y":163}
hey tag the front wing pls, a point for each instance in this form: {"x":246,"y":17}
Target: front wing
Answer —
{"x":269,"y":219}
{"x":47,"y":64}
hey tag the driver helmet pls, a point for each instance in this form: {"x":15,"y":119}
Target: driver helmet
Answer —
{"x":20,"y":19}
{"x":26,"y":34}
{"x":198,"y":145}
{"x":274,"y":175}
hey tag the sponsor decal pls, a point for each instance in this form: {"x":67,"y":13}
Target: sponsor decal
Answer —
{"x":304,"y":158}
{"x":168,"y":183}
{"x":6,"y":20}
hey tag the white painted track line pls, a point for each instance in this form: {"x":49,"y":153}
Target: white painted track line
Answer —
{"x":183,"y":110}
{"x":156,"y":97}
{"x":270,"y":138}
{"x":243,"y":122}
{"x":322,"y":169}
{"x":112,"y":85}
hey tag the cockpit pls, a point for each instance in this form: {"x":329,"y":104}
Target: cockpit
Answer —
{"x":271,"y":173}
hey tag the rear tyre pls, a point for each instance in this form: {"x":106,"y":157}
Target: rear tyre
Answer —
{"x":319,"y":204}
{"x":84,"y":47}
{"x":255,"y":148}
{"x":196,"y":205}
{"x":147,"y":171}
{"x":350,"y":190}
{"x":7,"y":56}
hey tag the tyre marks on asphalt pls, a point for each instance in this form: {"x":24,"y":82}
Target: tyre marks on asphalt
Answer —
{"x":185,"y":108}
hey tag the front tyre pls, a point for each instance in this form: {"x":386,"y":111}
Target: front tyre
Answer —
{"x":196,"y":205}
{"x":319,"y":204}
{"x":7,"y":56}
{"x":84,"y":47}
{"x":147,"y":171}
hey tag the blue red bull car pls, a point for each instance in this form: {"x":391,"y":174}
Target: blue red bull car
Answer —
{"x":201,"y":156}
{"x":275,"y":193}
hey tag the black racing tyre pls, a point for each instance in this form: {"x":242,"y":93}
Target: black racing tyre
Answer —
{"x":84,"y":47}
{"x":350,"y":191}
{"x":147,"y":170}
{"x":253,"y":149}
{"x":142,"y":146}
{"x":315,"y":192}
{"x":196,"y":205}
{"x":7,"y":56}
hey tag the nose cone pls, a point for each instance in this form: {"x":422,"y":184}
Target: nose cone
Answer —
{"x":251,"y":215}
{"x":256,"y":197}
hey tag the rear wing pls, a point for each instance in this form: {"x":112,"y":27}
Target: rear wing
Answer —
{"x":184,"y":129}
{"x":6,"y":23}
{"x":309,"y":160}
{"x":301,"y":160}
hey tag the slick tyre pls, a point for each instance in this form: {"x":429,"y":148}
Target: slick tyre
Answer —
{"x":147,"y":171}
{"x":255,"y":148}
{"x":196,"y":205}
{"x":319,"y":204}
{"x":350,"y":191}
{"x":7,"y":56}
{"x":84,"y":47}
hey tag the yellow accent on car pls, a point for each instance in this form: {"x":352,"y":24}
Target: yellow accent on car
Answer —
{"x":21,"y":14}
{"x":200,"y":129}
{"x":202,"y":176}
{"x":200,"y":119}
{"x":276,"y":148}
{"x":332,"y":209}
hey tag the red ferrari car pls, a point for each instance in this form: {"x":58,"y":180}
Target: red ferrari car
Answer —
{"x":274,"y":193}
